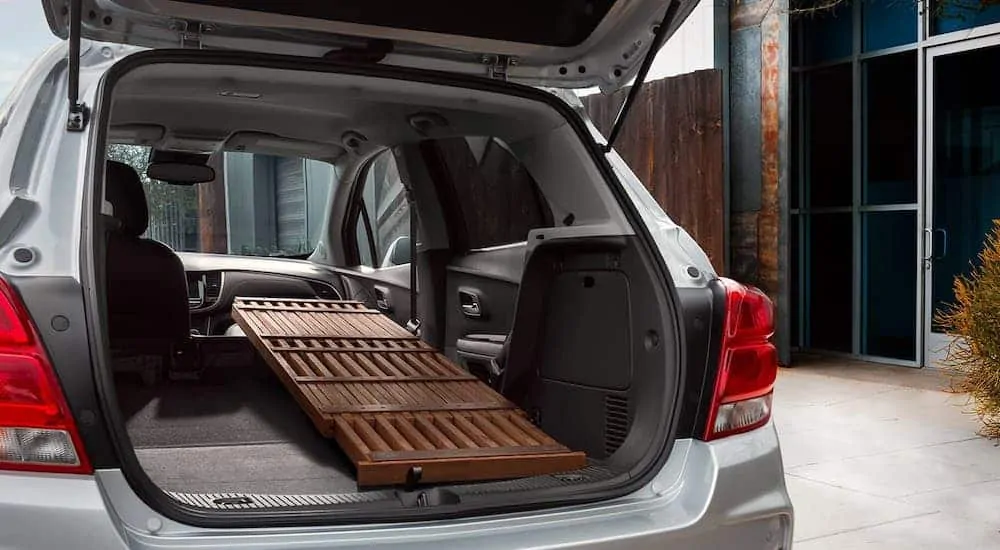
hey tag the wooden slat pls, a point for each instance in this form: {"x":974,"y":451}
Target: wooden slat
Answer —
{"x":271,"y":307}
{"x":343,"y":304}
{"x":413,"y":435}
{"x":391,"y":401}
{"x":384,"y":379}
{"x":351,"y":349}
{"x":397,"y":407}
{"x":463,"y":453}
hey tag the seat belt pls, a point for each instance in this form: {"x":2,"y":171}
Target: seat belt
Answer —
{"x":413,"y":325}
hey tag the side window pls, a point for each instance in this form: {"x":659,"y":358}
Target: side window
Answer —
{"x":258,"y":204}
{"x":499,"y":199}
{"x":382,"y":227}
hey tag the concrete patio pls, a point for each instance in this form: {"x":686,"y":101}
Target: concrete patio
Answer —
{"x":884,"y":457}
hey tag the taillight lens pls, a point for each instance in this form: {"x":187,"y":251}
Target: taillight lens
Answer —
{"x":37,"y":432}
{"x":748,"y":364}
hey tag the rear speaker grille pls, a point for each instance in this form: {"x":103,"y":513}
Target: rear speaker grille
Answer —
{"x":616,"y":423}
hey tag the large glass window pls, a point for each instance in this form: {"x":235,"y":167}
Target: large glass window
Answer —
{"x":890,"y":130}
{"x":795,"y":158}
{"x":795,"y":287}
{"x":827,"y":34}
{"x":889,"y":284}
{"x":829,"y":137}
{"x":830,"y":291}
{"x":258,"y":205}
{"x":855,"y":169}
{"x":956,"y":15}
{"x":888,"y":23}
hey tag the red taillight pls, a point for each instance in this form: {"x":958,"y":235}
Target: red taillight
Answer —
{"x":37,"y":432}
{"x":748,"y":364}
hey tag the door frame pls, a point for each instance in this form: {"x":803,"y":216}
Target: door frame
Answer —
{"x":934,"y":345}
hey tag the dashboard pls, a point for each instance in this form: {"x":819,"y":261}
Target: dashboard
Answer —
{"x":214,"y":281}
{"x":204,"y":288}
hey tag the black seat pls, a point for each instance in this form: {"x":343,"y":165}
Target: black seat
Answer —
{"x":146,"y":284}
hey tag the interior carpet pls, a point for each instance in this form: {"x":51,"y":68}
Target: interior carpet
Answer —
{"x":269,"y":468}
{"x":232,"y":431}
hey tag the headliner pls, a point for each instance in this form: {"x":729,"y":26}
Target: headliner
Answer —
{"x":202,"y":106}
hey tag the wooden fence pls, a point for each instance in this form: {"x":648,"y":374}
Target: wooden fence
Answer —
{"x":673,"y":141}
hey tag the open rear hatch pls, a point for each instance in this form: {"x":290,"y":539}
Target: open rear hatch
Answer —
{"x":560,"y":43}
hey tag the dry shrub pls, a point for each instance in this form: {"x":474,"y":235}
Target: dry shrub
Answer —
{"x":975,"y":316}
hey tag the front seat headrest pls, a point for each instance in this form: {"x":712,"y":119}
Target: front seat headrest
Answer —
{"x":123,"y":189}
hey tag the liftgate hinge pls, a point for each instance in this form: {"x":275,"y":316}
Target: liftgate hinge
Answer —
{"x":190,"y":33}
{"x":497,"y":65}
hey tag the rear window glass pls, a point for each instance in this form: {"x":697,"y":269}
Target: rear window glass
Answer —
{"x":499,"y":200}
{"x":258,"y":205}
{"x":552,"y":23}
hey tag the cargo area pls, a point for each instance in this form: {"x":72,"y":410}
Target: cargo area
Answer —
{"x":237,"y":430}
{"x":547,"y":360}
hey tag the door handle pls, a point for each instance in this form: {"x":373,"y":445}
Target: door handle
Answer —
{"x":929,"y":245}
{"x":469,"y":303}
{"x":944,"y":244}
{"x":382,"y":299}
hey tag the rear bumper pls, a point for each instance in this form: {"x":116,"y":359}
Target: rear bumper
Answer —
{"x":724,"y":494}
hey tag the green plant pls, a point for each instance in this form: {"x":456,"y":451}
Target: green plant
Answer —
{"x":975,"y":318}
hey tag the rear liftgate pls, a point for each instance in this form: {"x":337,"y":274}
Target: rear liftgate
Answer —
{"x":401,"y":411}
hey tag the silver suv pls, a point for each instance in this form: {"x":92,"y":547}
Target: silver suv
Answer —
{"x":173,"y":155}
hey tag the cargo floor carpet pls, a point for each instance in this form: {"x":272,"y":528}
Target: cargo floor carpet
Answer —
{"x":233,"y":431}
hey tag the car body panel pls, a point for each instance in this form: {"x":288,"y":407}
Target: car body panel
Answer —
{"x":609,"y":56}
{"x":724,"y":494}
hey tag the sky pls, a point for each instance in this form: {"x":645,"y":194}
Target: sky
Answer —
{"x":24,"y":35}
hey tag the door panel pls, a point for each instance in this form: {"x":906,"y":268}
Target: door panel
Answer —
{"x":489,"y":279}
{"x":379,"y":231}
{"x":386,"y":290}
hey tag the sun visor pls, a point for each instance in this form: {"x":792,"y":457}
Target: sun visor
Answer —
{"x":262,"y":142}
{"x":136,"y":134}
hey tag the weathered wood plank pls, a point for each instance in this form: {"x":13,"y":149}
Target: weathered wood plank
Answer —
{"x":673,"y":142}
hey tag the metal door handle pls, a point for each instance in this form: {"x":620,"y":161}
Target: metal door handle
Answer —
{"x":470,"y":304}
{"x":928,"y":246}
{"x":944,"y":244}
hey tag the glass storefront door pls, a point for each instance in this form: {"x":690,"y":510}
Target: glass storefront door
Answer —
{"x":962,"y":177}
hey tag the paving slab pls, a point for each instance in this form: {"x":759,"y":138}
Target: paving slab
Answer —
{"x":884,"y":457}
